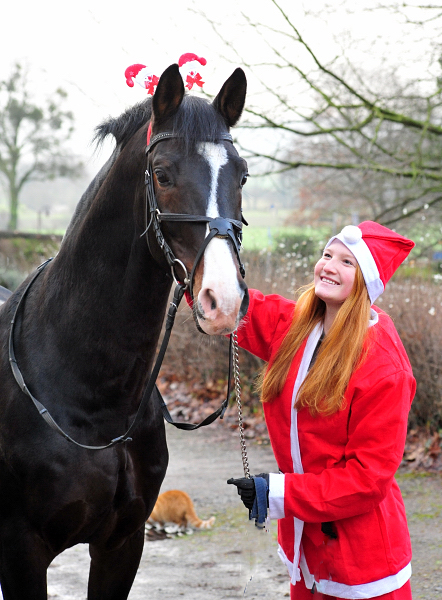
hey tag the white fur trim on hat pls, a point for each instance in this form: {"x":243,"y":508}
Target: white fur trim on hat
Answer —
{"x":351,"y":234}
{"x":351,"y":237}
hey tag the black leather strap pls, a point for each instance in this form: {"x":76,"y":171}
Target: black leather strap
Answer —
{"x":165,"y":135}
{"x":149,"y":389}
{"x":189,"y":426}
{"x":196,"y":219}
{"x":221,"y":227}
{"x":218,"y":413}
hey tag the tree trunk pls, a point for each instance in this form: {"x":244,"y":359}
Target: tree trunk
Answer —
{"x":13,"y":210}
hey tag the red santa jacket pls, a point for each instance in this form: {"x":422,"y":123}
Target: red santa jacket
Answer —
{"x":338,"y":469}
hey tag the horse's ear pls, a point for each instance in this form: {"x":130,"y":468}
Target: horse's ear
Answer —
{"x":231,"y":98}
{"x":168,"y":95}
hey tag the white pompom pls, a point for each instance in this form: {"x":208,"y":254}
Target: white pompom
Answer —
{"x":351,"y":234}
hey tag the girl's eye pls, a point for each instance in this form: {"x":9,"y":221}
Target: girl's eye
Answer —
{"x":161,"y":176}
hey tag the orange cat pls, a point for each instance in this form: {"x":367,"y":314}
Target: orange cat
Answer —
{"x":176,"y":506}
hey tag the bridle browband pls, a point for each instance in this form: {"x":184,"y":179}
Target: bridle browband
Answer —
{"x":218,"y":227}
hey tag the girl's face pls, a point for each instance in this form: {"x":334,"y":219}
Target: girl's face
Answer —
{"x":335,"y":274}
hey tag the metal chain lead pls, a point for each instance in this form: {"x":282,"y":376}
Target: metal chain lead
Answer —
{"x":235,"y":357}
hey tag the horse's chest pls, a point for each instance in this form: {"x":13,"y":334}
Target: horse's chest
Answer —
{"x":70,"y":495}
{"x":100,"y":502}
{"x":103,"y":512}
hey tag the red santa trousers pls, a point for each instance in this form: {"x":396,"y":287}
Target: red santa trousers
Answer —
{"x":300,"y":592}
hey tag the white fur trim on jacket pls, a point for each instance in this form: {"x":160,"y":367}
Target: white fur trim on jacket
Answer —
{"x":294,"y":439}
{"x":276,"y":495}
{"x":365,"y":590}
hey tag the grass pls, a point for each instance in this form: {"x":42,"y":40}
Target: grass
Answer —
{"x":423,"y":516}
{"x":261,"y":238}
{"x":266,"y":218}
{"x":266,"y":226}
{"x":264,"y":232}
{"x":413,"y":475}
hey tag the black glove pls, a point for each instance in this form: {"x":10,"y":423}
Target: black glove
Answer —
{"x":246,"y":488}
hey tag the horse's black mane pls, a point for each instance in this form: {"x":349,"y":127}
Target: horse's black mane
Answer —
{"x":126,"y":125}
{"x":196,"y":120}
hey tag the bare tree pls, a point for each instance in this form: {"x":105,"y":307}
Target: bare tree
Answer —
{"x":375,"y":128}
{"x":32,"y":139}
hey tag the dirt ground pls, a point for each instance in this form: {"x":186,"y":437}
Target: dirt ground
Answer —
{"x":234,"y":559}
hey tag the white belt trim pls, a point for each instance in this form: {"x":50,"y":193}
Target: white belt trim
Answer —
{"x":290,"y":566}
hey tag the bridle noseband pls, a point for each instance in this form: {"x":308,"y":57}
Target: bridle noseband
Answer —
{"x":220,"y":227}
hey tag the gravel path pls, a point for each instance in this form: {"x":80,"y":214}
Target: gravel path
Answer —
{"x":234,"y":560}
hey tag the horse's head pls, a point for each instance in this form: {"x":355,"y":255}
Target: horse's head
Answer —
{"x":196,"y":170}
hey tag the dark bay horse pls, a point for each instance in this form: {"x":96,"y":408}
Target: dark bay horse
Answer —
{"x":86,"y":334}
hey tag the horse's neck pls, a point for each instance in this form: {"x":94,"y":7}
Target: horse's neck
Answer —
{"x":90,"y":193}
{"x":104,"y":270}
{"x":128,"y":289}
{"x":100,"y":335}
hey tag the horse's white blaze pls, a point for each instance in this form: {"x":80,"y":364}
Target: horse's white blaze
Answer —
{"x":220,"y":296}
{"x":216,"y":156}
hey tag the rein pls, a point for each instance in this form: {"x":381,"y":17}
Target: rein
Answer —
{"x":218,"y":227}
{"x":150,"y":389}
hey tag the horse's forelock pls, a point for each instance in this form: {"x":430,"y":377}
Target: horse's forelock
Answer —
{"x":196,"y":120}
{"x":126,"y":125}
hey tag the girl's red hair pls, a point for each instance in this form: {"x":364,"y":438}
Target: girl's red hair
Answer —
{"x":341,"y":351}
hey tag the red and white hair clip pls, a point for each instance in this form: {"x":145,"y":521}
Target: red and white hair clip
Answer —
{"x":142,"y":75}
{"x":190,"y":66}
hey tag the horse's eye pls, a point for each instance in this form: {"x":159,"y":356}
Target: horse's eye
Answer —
{"x":162,"y":178}
{"x":244,"y":179}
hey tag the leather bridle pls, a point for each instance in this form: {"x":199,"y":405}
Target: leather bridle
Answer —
{"x":220,"y":227}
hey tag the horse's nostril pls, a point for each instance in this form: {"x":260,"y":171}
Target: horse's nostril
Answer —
{"x":212,"y":299}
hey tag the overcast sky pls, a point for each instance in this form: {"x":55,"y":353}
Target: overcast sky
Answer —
{"x":85,"y":46}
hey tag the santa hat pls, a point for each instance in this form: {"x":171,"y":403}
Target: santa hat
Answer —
{"x":378,"y":250}
{"x":190,"y":66}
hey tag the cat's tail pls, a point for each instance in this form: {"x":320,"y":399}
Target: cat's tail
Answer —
{"x":198,"y":523}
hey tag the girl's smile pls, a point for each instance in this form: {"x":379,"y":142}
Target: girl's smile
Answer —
{"x":335,"y":275}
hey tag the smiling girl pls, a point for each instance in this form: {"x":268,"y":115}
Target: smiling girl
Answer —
{"x":336,"y":395}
